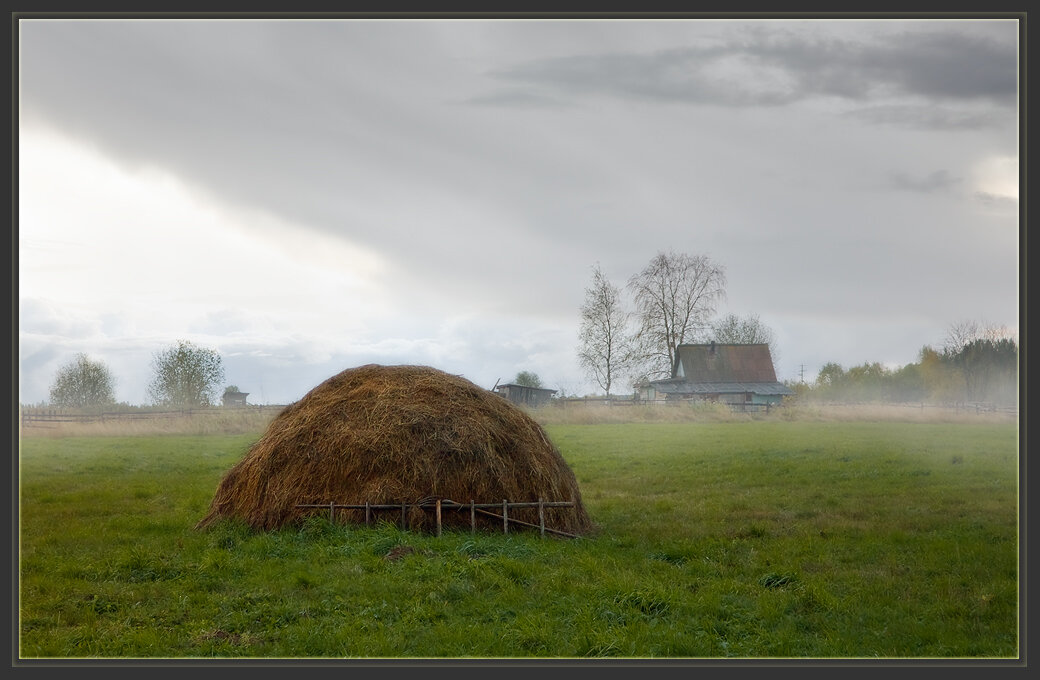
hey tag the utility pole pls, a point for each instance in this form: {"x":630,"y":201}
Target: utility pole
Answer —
{"x":801,"y":374}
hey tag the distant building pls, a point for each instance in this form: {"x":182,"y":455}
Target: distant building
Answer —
{"x":734,"y":374}
{"x":235,"y":398}
{"x":524,"y":395}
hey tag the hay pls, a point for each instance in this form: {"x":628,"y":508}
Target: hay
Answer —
{"x":399,"y":434}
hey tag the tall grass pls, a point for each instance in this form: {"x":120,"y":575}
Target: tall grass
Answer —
{"x":758,"y":539}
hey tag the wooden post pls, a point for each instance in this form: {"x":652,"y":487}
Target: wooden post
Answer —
{"x":332,"y":510}
{"x":368,"y":515}
{"x":541,"y":516}
{"x":404,"y":518}
{"x":472,"y":517}
{"x":438,"y":517}
{"x":505,"y":516}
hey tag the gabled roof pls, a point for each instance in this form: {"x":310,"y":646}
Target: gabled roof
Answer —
{"x":716,"y":368}
{"x":718,"y":363}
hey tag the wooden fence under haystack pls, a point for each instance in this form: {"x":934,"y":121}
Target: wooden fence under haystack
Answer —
{"x":440,"y":505}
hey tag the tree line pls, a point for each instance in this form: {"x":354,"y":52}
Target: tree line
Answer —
{"x":184,"y":375}
{"x":975,"y":364}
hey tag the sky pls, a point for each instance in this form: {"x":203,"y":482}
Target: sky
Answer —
{"x":308,"y":195}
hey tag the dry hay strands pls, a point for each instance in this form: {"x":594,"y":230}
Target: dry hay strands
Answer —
{"x":380,"y":434}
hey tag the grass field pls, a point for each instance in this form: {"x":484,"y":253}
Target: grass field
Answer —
{"x":748,"y":539}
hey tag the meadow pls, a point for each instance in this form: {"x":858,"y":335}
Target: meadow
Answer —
{"x":716,"y":538}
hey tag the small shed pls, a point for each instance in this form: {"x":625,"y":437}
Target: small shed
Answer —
{"x":235,"y":398}
{"x":731,"y":373}
{"x":525,"y":395}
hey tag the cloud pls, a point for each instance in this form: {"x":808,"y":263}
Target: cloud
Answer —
{"x":934,"y":117}
{"x":518,"y":99}
{"x":940,"y":180}
{"x":781,"y":68}
{"x":997,"y":201}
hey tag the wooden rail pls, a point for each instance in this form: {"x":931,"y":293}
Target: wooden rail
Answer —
{"x":31,"y":417}
{"x":439,"y":505}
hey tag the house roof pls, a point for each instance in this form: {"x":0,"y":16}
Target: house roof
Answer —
{"x":719,"y":363}
{"x":716,"y":368}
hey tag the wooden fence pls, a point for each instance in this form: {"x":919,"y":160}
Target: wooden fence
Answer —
{"x":955,"y":407}
{"x":34,"y":417}
{"x":438,"y":506}
{"x":622,"y":402}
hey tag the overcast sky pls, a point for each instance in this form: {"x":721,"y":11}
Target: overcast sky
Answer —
{"x":305,"y":196}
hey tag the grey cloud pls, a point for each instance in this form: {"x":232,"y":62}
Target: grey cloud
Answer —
{"x":678,"y":75}
{"x":518,"y":99}
{"x":931,"y":117}
{"x":946,"y":66}
{"x":996,"y":201}
{"x":940,"y":180}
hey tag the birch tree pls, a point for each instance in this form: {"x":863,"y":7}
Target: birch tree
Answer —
{"x":675,"y":296}
{"x":604,"y":348}
{"x":745,"y":330}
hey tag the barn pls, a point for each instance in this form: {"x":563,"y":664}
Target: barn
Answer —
{"x":730,"y":373}
{"x":235,"y":398}
{"x":525,"y":395}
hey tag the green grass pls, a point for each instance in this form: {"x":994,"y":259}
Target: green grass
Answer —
{"x":748,"y":539}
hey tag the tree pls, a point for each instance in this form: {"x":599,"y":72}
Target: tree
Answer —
{"x":527,"y":379}
{"x":986,"y":357}
{"x":185,"y":375}
{"x":675,"y":296}
{"x":83,"y":383}
{"x":748,"y":330}
{"x":604,"y":350}
{"x":831,"y":376}
{"x":989,"y":369}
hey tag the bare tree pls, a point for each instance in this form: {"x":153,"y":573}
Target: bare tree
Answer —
{"x":960,"y":334}
{"x":675,"y":297}
{"x":604,"y":349}
{"x":747,"y":330}
{"x":963,"y":333}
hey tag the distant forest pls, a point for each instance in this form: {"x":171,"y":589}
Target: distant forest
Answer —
{"x":970,"y":369}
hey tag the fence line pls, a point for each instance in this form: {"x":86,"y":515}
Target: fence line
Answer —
{"x":30,"y":417}
{"x":966,"y":406}
{"x":438,"y":505}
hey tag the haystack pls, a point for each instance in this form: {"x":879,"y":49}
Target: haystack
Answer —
{"x":399,"y":434}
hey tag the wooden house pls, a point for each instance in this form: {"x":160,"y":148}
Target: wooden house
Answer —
{"x":734,"y":374}
{"x":235,"y":398}
{"x":524,"y":395}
